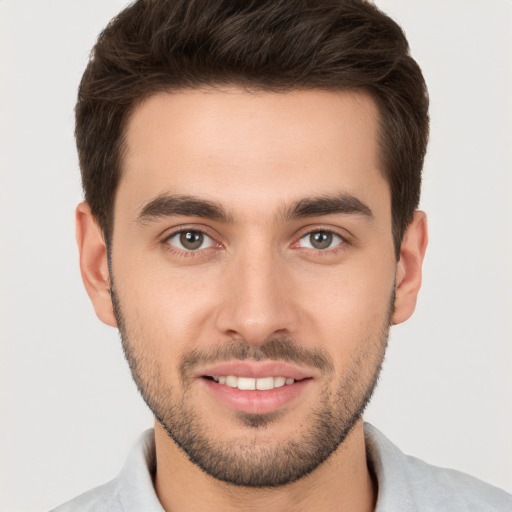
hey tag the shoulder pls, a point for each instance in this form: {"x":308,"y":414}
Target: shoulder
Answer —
{"x":444,"y":489}
{"x":100,"y":499}
{"x":131,"y":490}
{"x":408,"y":483}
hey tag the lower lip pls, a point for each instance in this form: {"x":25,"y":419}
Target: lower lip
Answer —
{"x":255,"y":401}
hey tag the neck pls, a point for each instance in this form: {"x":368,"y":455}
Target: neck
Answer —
{"x":342,"y":483}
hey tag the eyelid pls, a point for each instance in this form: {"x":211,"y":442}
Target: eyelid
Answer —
{"x":206,"y":239}
{"x":177,"y":230}
{"x":333,"y":233}
{"x":343,"y":234}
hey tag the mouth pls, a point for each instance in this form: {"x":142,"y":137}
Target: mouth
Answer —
{"x":252,"y":384}
{"x":255,"y":388}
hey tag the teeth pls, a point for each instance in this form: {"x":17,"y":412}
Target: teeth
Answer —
{"x":280,"y":381}
{"x":232,"y":381}
{"x":264,"y":383}
{"x":246,"y":383}
{"x":249,"y":383}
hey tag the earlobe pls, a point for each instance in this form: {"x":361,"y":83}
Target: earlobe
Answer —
{"x":94,"y":263}
{"x":409,"y":268}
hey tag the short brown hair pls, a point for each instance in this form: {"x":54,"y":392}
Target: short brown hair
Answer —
{"x":274,"y":45}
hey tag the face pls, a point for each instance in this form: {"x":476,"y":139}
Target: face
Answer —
{"x":253,"y":273}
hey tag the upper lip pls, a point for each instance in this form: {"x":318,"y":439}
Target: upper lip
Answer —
{"x":254,"y":369}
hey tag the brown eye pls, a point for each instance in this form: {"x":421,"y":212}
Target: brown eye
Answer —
{"x":190,"y":240}
{"x":320,"y":240}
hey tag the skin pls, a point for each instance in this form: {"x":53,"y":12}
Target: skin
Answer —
{"x":255,"y":155}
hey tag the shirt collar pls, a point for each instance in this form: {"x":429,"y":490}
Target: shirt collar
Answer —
{"x":136,"y":481}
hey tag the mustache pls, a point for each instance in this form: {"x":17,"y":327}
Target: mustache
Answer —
{"x":276,"y":349}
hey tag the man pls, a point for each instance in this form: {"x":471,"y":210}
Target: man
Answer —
{"x":251,"y":177}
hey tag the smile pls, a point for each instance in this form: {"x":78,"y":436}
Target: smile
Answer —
{"x":250,"y":383}
{"x":255,"y":387}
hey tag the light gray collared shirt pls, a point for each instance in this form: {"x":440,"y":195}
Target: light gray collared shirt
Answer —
{"x":405,"y":484}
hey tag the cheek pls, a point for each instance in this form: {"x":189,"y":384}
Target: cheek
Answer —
{"x":349,"y":304}
{"x":165,"y":309}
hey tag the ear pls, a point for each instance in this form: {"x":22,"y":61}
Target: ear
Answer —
{"x":408,"y":274}
{"x":94,"y":263}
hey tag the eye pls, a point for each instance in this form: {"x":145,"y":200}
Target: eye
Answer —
{"x":190,"y":240}
{"x":320,"y":240}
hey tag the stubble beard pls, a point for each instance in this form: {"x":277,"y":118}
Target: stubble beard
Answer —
{"x":248,"y":461}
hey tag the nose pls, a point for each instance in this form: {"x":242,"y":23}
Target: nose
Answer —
{"x":257,"y":298}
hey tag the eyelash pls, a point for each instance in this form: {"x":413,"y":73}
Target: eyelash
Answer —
{"x":199,"y":252}
{"x":187,"y":253}
{"x":328,"y":251}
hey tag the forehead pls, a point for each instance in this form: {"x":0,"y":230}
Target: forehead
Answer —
{"x":256,"y":150}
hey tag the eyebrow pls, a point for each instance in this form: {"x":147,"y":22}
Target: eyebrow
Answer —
{"x":172,"y":205}
{"x":183,"y":205}
{"x":327,"y":205}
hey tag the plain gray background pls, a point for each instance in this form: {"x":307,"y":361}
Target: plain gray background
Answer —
{"x":69,"y":411}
